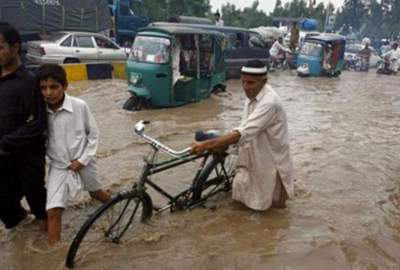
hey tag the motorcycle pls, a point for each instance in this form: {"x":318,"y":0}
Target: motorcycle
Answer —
{"x":387,"y":66}
{"x":357,"y":63}
{"x":284,"y":61}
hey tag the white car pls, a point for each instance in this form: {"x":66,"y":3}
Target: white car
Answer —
{"x":74,"y":47}
{"x":352,"y":51}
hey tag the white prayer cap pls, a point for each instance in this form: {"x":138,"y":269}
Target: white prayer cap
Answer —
{"x":254,"y":67}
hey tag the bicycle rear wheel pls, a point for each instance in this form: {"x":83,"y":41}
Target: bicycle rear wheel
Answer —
{"x":215,"y":177}
{"x":109,"y":223}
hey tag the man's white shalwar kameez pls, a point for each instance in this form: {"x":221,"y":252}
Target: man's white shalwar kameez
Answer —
{"x":264,"y":155}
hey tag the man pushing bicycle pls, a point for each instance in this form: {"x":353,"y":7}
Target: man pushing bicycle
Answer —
{"x":264,"y":175}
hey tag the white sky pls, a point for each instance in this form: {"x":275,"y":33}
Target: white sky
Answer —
{"x":265,"y":5}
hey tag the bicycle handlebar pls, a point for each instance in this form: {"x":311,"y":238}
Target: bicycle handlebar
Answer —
{"x":139,"y":130}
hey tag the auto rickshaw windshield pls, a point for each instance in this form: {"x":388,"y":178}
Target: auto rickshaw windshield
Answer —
{"x":311,"y":48}
{"x":150,"y":50}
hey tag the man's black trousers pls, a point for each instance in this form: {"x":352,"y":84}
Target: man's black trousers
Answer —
{"x":19,"y":177}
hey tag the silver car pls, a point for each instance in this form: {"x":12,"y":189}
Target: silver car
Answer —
{"x":74,"y":47}
{"x":352,"y":50}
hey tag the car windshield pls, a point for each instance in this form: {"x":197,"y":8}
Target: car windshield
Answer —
{"x":150,"y":50}
{"x":55,"y":36}
{"x":311,"y":48}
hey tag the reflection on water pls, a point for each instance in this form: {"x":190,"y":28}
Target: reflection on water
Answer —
{"x":344,"y":138}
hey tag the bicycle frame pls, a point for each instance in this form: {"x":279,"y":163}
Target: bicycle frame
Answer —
{"x":152,"y":167}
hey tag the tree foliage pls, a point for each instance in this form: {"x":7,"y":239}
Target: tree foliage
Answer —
{"x":249,"y":17}
{"x":374,"y":18}
{"x":159,"y":10}
{"x":371,"y":17}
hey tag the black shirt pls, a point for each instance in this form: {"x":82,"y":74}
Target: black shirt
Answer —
{"x":22,"y":113}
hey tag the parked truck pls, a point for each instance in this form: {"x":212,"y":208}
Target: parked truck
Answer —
{"x":127,"y":17}
{"x":36,"y":17}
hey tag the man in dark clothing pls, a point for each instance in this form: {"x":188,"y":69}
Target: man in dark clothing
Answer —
{"x":294,"y":37}
{"x":22,"y":135}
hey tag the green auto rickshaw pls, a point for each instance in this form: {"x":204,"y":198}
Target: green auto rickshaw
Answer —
{"x":170,"y":66}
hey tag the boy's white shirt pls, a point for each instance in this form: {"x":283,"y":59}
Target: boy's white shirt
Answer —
{"x":73,"y":135}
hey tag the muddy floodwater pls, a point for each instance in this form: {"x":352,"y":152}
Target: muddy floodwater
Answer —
{"x":345,"y":142}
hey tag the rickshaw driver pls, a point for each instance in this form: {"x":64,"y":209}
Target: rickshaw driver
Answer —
{"x":176,"y":61}
{"x":264,"y":176}
{"x":327,"y":60}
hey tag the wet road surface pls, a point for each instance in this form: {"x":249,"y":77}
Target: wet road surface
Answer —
{"x":345,"y":215}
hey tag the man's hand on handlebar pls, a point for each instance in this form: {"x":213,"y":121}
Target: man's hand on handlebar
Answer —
{"x":216,"y":145}
{"x":199,"y":148}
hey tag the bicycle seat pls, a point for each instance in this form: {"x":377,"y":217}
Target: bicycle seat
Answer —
{"x":206,"y":135}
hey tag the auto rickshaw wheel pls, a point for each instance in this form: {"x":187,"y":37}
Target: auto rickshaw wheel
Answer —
{"x":219,"y":88}
{"x":134,"y":103}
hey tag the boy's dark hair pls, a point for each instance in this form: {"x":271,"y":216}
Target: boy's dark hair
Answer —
{"x":53,"y":71}
{"x":10,"y":34}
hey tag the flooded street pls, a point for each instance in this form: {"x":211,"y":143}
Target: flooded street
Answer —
{"x":345,"y":135}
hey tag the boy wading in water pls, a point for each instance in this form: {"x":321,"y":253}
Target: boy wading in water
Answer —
{"x":72,"y":146}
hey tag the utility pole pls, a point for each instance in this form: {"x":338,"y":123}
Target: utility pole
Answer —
{"x":329,"y":18}
{"x":311,"y":6}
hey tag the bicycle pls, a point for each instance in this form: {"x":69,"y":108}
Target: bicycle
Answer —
{"x":130,"y":208}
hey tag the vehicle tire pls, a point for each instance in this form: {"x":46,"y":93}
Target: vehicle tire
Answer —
{"x":134,"y":103}
{"x":212,"y":178}
{"x":219,"y":89}
{"x":108,"y":224}
{"x":71,"y":61}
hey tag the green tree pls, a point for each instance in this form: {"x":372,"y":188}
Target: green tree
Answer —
{"x":231,"y":15}
{"x":298,"y":8}
{"x":156,"y":9}
{"x":278,"y":9}
{"x":249,"y":17}
{"x":254,"y":16}
{"x":375,"y":20}
{"x":159,"y":10}
{"x":319,"y":13}
{"x":198,"y":8}
{"x":353,"y":13}
{"x":393,"y":19}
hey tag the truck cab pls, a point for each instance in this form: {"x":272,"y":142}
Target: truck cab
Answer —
{"x":128,"y":16}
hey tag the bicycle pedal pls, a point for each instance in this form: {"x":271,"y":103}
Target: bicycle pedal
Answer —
{"x":157,"y":207}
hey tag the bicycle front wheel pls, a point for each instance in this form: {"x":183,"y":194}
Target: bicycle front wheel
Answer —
{"x":108,"y":224}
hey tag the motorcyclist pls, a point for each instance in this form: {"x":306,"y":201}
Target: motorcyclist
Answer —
{"x":385,"y":47}
{"x":278,"y":51}
{"x":393,"y":58}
